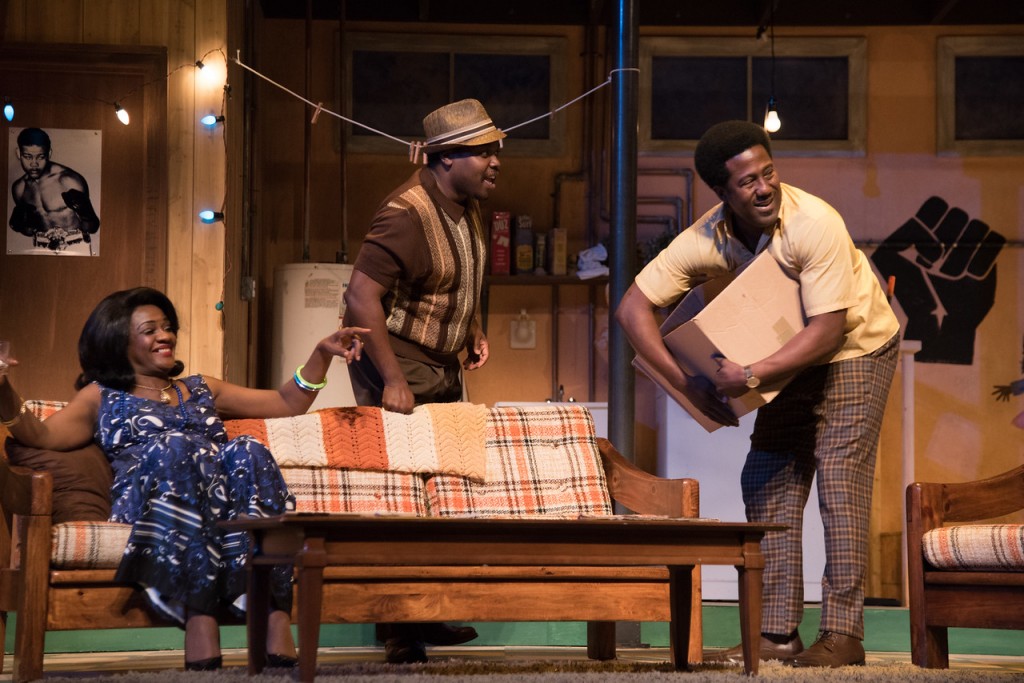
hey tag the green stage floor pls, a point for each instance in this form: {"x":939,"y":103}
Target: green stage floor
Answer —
{"x":886,"y":630}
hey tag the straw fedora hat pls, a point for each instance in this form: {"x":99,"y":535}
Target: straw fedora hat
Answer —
{"x":460,"y":124}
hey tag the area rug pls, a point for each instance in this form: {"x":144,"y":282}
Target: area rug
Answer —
{"x":469,"y":671}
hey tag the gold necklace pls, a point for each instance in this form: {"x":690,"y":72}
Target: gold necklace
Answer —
{"x":164,"y":396}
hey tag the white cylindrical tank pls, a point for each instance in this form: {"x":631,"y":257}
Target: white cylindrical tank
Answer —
{"x":308,"y":306}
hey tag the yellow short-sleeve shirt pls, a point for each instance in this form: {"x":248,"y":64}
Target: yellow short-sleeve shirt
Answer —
{"x":810,"y":241}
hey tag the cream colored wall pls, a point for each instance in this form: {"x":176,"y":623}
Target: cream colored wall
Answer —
{"x":189,"y":30}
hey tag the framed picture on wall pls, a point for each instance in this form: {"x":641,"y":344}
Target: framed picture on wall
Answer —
{"x":54,"y":177}
{"x":79,"y":183}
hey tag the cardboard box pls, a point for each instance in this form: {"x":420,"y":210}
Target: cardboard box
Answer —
{"x":501,"y":243}
{"x":744,"y":317}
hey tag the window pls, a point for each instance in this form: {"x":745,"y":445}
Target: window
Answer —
{"x":980,"y":90}
{"x":396,"y":80}
{"x":689,"y":84}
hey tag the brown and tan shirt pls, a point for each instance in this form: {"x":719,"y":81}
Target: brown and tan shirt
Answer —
{"x":429,"y":252}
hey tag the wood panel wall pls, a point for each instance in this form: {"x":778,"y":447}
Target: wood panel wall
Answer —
{"x":188,"y":29}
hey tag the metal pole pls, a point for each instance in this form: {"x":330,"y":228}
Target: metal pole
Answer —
{"x":622,"y":257}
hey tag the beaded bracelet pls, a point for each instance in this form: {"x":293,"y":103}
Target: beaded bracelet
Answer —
{"x":17,"y":418}
{"x":303,"y":384}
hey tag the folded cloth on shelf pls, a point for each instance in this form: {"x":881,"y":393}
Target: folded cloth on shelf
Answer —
{"x":591,"y":262}
{"x":446,"y":438}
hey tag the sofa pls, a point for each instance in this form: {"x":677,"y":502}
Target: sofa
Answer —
{"x":60,"y":553}
{"x":965,"y":566}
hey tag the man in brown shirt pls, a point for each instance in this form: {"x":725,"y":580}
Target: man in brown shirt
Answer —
{"x":417,"y":278}
{"x":416,"y":285}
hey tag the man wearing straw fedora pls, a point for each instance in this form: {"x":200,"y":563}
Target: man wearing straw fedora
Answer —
{"x":416,"y":285}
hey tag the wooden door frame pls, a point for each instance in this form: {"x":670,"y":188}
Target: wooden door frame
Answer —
{"x":52,"y":342}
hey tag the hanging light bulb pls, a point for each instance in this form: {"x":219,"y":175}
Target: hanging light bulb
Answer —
{"x":211,"y":120}
{"x":772,"y":122}
{"x":8,"y":109}
{"x":122,"y":113}
{"x":210,"y":216}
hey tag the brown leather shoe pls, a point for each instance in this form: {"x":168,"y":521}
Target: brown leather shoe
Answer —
{"x":768,"y":650}
{"x":830,"y":650}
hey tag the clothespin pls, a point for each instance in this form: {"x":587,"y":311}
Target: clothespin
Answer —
{"x":414,"y":152}
{"x":316,"y":114}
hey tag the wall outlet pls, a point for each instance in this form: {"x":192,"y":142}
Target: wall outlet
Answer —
{"x":523,"y":332}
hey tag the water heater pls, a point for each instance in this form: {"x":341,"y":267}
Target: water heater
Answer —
{"x":308,"y":306}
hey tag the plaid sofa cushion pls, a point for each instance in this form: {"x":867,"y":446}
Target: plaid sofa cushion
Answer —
{"x":88,"y":545}
{"x":319,"y":489}
{"x":541,"y":460}
{"x":976,"y":547}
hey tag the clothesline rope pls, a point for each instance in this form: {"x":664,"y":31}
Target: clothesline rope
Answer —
{"x":412,"y":145}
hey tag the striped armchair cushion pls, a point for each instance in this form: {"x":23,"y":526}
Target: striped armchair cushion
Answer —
{"x":88,"y":545}
{"x":44,"y":409}
{"x":976,"y":547}
{"x":541,"y":460}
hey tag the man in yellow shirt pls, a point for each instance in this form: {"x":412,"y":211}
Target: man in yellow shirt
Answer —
{"x":826,"y":420}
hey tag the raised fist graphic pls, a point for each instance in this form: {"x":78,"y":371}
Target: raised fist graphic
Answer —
{"x":944,"y":264}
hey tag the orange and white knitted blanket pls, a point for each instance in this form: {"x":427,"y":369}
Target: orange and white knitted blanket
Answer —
{"x":446,"y":438}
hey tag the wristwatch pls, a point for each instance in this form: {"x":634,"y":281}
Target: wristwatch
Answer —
{"x":752,"y":382}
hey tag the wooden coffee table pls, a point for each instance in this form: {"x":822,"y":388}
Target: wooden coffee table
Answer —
{"x":314,"y":542}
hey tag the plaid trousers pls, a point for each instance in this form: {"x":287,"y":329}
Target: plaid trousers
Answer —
{"x":826,"y":420}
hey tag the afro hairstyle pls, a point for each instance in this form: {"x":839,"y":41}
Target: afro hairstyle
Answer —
{"x":722,"y":142}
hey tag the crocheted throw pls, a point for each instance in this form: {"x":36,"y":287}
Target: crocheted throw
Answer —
{"x":446,"y":438}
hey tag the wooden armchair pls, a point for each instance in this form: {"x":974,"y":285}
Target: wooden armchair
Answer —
{"x":968,"y":576}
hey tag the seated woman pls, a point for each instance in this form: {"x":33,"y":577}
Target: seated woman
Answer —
{"x":176,"y":474}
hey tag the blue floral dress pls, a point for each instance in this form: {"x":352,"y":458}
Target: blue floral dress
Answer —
{"x":176,"y":475}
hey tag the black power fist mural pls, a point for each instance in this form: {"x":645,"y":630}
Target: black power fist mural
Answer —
{"x":944,"y":264}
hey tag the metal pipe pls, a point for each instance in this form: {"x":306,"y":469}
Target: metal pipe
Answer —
{"x":623,"y":167}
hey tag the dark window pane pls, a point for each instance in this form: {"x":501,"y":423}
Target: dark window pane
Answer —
{"x":513,"y":89}
{"x":393,"y":91}
{"x":989,"y":98}
{"x":811,"y":96}
{"x":690,"y":94}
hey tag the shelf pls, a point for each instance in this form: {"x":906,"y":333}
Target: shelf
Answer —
{"x":549,"y":280}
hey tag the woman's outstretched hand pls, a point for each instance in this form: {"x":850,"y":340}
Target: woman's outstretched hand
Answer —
{"x":346,"y":343}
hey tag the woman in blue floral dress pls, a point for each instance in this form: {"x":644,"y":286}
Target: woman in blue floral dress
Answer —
{"x":176,"y":474}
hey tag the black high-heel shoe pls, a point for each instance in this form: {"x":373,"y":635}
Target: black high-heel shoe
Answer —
{"x":211,"y":664}
{"x":281,"y":661}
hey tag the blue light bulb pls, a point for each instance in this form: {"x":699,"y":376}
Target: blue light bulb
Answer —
{"x":9,"y":111}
